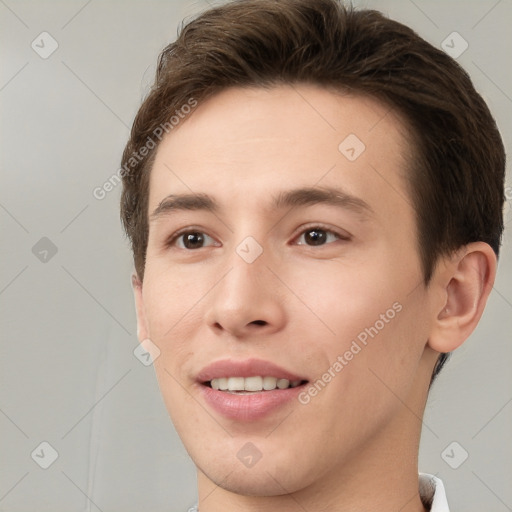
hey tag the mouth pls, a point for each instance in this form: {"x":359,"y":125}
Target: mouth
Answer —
{"x":248,"y":390}
{"x":250,"y":385}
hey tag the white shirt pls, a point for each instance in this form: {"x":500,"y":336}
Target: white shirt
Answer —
{"x":431,"y":490}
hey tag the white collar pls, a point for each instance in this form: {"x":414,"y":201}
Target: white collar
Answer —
{"x":431,"y":490}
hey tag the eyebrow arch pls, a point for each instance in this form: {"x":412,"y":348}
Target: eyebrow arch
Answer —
{"x":292,"y":199}
{"x":322,"y":195}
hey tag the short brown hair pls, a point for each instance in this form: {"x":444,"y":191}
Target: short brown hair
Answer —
{"x":457,"y":173}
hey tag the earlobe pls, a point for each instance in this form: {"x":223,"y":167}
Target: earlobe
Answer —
{"x":467,"y":279}
{"x":142,"y":329}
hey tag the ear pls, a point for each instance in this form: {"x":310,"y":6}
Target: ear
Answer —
{"x":465,"y":281}
{"x":142,"y":327}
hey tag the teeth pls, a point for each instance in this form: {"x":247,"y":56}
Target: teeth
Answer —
{"x":221,"y":384}
{"x":253,"y":384}
{"x":236,"y":384}
{"x":269,"y":383}
{"x":283,"y":383}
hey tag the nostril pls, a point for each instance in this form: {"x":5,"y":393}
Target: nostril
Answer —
{"x":259,"y":322}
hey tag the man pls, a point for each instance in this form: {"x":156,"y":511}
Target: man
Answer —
{"x":314,"y":198}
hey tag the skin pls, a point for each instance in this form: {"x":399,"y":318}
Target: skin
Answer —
{"x":354,"y":446}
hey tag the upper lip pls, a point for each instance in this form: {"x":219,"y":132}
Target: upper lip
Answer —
{"x":245,"y":368}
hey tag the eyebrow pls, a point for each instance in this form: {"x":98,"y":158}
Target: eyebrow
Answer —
{"x":292,"y":199}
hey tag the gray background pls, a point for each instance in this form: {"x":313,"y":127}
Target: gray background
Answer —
{"x":68,"y":373}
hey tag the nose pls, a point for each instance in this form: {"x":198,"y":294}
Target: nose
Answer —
{"x":247,"y":301}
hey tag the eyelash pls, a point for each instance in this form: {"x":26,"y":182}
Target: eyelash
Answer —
{"x":172,"y":240}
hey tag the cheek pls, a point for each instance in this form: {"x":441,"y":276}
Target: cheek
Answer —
{"x":349,"y":301}
{"x":173,"y":319}
{"x":369,"y":372}
{"x":171,"y":298}
{"x":385,"y":356}
{"x":184,"y":413}
{"x":378,"y":328}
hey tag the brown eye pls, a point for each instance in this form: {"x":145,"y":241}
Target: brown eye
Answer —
{"x":191,"y":240}
{"x":317,"y":236}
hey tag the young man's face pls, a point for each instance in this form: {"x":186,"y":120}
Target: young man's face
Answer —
{"x":328,"y":292}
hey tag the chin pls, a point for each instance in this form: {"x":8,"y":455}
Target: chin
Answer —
{"x":278,"y":472}
{"x":252,"y":482}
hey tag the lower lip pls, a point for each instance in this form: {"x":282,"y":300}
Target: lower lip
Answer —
{"x":248,"y":407}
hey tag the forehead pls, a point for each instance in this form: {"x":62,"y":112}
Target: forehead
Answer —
{"x":255,"y":142}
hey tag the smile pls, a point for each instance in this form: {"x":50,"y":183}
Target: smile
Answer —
{"x":248,"y":390}
{"x":252,"y":384}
